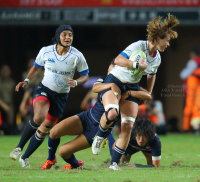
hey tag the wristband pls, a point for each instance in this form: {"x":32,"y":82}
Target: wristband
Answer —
{"x":136,"y":65}
{"x":27,"y":80}
{"x":75,"y":83}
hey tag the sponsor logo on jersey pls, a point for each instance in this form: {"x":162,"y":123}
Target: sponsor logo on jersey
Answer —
{"x":72,"y":63}
{"x":51,"y":60}
{"x":43,"y":93}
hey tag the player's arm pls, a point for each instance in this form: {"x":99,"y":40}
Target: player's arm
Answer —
{"x":142,"y":95}
{"x":150,"y":82}
{"x":31,"y":74}
{"x":122,"y":61}
{"x":99,"y":87}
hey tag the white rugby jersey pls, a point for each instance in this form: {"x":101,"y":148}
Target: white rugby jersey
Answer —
{"x":153,"y":63}
{"x":59,"y":68}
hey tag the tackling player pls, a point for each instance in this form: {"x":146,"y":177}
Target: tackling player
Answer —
{"x":60,"y":62}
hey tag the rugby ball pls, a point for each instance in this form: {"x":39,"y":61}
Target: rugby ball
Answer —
{"x":137,"y":56}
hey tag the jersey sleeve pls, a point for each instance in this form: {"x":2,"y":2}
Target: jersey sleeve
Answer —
{"x":131,"y":49}
{"x":39,"y":62}
{"x":156,"y":148}
{"x":82,"y":66}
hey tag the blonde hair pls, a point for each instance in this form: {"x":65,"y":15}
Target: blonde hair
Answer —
{"x":159,"y":28}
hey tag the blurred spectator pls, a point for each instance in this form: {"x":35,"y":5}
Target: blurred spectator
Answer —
{"x":191,"y":76}
{"x":7,"y":88}
{"x":89,"y":100}
{"x":37,"y":78}
{"x":153,"y":110}
{"x":26,"y":107}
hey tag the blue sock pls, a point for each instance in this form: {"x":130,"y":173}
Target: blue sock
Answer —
{"x":35,"y":142}
{"x":116,"y":155}
{"x":102,"y":132}
{"x":73,"y":161}
{"x":111,"y":141}
{"x":52,"y":147}
{"x":28,"y":132}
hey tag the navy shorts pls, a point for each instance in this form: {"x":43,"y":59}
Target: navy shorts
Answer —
{"x":90,"y":126}
{"x":130,"y":151}
{"x":57,"y":100}
{"x":123,"y":87}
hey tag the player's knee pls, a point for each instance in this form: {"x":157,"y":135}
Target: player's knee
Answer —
{"x":112,"y":114}
{"x":42,"y":131}
{"x":39,"y":118}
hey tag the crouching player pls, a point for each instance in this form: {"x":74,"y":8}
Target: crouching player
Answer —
{"x":143,"y":138}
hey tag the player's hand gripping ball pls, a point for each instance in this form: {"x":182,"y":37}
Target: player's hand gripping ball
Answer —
{"x":137,"y":57}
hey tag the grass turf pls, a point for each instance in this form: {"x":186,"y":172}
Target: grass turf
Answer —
{"x":180,"y":162}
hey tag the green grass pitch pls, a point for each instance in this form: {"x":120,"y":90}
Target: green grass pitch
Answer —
{"x":180,"y":162}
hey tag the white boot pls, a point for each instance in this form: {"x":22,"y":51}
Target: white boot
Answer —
{"x":15,"y":153}
{"x":97,"y":144}
{"x":114,"y":166}
{"x":24,"y":162}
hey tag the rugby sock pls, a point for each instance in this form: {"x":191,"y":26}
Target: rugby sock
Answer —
{"x":28,"y":132}
{"x":111,"y":141}
{"x":52,"y":147}
{"x":35,"y":142}
{"x":116,"y":155}
{"x":73,"y":161}
{"x":101,"y":131}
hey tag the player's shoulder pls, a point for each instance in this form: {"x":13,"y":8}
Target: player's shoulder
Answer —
{"x":48,"y":48}
{"x":156,"y":139}
{"x":76,"y":52}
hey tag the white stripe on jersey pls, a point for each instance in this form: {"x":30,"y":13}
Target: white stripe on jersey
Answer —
{"x":59,"y":68}
{"x":153,"y":63}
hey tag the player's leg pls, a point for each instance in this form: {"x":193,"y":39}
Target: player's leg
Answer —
{"x":129,"y":112}
{"x":69,"y":126}
{"x":36,"y":140}
{"x":111,"y":106}
{"x":67,"y":151}
{"x":111,"y":141}
{"x":41,"y":107}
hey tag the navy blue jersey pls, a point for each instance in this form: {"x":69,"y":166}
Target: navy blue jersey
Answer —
{"x":153,"y":146}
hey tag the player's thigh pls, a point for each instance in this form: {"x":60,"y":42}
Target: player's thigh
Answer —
{"x":40,"y":111}
{"x":75,"y":145}
{"x":68,"y":126}
{"x":129,"y":109}
{"x":109,"y":98}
